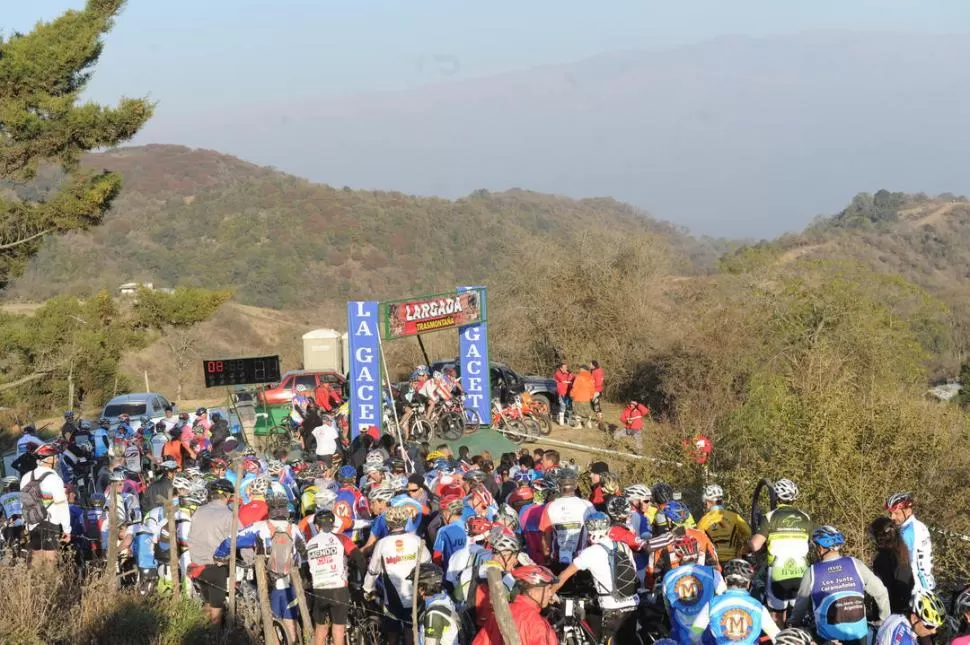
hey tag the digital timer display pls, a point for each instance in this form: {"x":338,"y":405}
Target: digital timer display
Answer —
{"x":241,"y":371}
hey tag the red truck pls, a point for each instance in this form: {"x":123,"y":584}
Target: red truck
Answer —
{"x":283,"y":392}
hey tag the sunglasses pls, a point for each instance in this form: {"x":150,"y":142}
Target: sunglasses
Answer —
{"x":414,"y":490}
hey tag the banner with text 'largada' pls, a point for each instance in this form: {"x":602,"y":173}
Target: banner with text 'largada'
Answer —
{"x":424,"y":314}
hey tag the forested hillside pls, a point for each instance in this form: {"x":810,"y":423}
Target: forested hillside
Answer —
{"x":200,"y":218}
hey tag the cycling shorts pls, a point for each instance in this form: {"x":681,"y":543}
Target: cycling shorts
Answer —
{"x":46,"y":536}
{"x":331,"y":605}
{"x":780,"y":595}
{"x":213,"y":581}
{"x":283,"y":602}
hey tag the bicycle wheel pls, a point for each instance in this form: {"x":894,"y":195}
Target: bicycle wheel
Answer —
{"x":472,"y":420}
{"x":281,"y":636}
{"x":544,"y":421}
{"x":512,"y":430}
{"x":533,"y":429}
{"x":451,"y":426}
{"x":419,"y":429}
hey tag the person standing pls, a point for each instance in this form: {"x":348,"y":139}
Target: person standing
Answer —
{"x":597,"y":373}
{"x":582,"y":394}
{"x":564,"y":382}
{"x":891,"y":563}
{"x":727,"y":530}
{"x":916,"y":537}
{"x":45,"y":507}
{"x":211,"y":525}
{"x":632,"y":417}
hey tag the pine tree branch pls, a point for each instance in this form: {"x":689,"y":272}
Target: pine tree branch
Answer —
{"x":10,"y":245}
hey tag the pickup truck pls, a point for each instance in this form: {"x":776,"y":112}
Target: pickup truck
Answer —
{"x":540,"y":387}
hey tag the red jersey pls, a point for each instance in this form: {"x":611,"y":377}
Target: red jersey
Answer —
{"x":622,"y":533}
{"x":529,"y":623}
{"x":632,"y":418}
{"x":255,"y":511}
{"x":598,"y":379}
{"x":564,"y":380}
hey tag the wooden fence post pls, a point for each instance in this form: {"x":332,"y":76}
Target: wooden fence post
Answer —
{"x":500,"y":605}
{"x":236,"y":501}
{"x":112,"y":555}
{"x":262,"y":589}
{"x":173,"y":547}
{"x":414,"y":595}
{"x":301,"y":600}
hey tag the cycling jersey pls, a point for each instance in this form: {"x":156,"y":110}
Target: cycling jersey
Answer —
{"x":727,"y":530}
{"x":733,"y":617}
{"x":157,"y":443}
{"x":533,"y":629}
{"x":461,"y":562}
{"x":438,"y":622}
{"x":641,"y":523}
{"x":327,"y":559}
{"x":787,"y":532}
{"x":896,"y":630}
{"x":917,"y":539}
{"x":835,"y":591}
{"x":565,"y":518}
{"x":598,"y":560}
{"x":26,"y":443}
{"x":450,"y":538}
{"x":12,"y":507}
{"x":393,"y":560}
{"x":99,"y":436}
{"x":687,"y":589}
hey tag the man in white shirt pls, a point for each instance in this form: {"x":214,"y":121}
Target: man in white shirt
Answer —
{"x":54,"y":525}
{"x":326,"y":435}
{"x":562,"y":523}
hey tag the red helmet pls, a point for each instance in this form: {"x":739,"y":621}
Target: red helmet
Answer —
{"x":480,"y":495}
{"x":686,"y":549}
{"x":451,"y":490}
{"x":251,"y":466}
{"x":897,"y":501}
{"x":533,"y":575}
{"x":477,"y":526}
{"x":521,"y":495}
{"x":49,"y":449}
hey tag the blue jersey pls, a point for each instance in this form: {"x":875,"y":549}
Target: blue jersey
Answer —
{"x":687,"y":589}
{"x":100,"y":438}
{"x":143,"y":549}
{"x":838,"y":599}
{"x":895,"y":630}
{"x":733,"y":617}
{"x":450,"y":539}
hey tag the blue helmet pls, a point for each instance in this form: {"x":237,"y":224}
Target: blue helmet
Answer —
{"x":828,"y":537}
{"x":443,"y":465}
{"x":69,"y":414}
{"x":522,"y":477}
{"x":347,"y":472}
{"x":676,"y":512}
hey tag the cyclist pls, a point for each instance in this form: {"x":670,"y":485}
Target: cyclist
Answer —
{"x":666,"y":555}
{"x":323,"y":500}
{"x":54,"y":529}
{"x":734,"y":616}
{"x":785,"y":533}
{"x":468,"y":557}
{"x":835,"y":590}
{"x":328,"y":553}
{"x":438,"y":622}
{"x":156,"y":524}
{"x":157,"y":441}
{"x":688,"y":587}
{"x":916,"y":537}
{"x":69,"y":427}
{"x":212,"y":524}
{"x":793,"y":636}
{"x":643,"y":510}
{"x":394,"y":557}
{"x":101,"y":438}
{"x":13,"y":509}
{"x":727,"y":530}
{"x":613,"y":571}
{"x":562,"y":523}
{"x":662,"y":494}
{"x":926,"y":615}
{"x":159,"y":491}
{"x":535,"y":593}
{"x":504,"y":552}
{"x":960,"y":628}
{"x":256,"y":509}
{"x":452,"y":536}
{"x":29,"y":440}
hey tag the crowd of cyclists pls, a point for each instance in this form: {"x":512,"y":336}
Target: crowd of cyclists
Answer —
{"x":379,"y":530}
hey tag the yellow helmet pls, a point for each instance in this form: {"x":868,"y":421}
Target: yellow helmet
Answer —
{"x":435,"y":455}
{"x":928,"y":606}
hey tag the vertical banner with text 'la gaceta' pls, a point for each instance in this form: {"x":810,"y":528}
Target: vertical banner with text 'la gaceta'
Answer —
{"x":365,"y":366}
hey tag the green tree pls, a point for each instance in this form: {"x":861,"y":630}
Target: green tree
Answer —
{"x":42,"y":123}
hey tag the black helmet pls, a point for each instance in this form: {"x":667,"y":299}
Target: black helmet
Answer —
{"x":222,"y":487}
{"x":324,"y":520}
{"x":738,"y":573}
{"x":429,"y":577}
{"x":618,"y":508}
{"x":662,"y":492}
{"x":30,"y":429}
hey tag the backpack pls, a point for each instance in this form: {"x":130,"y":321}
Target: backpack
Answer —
{"x":623,"y":570}
{"x":281,"y":552}
{"x":33,"y":500}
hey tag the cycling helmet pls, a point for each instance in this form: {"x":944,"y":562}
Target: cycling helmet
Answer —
{"x":183,"y":416}
{"x":507,"y":516}
{"x":324,"y":519}
{"x":738,"y":572}
{"x":961,"y":605}
{"x":324,"y":498}
{"x":98,"y":500}
{"x":436,"y":376}
{"x":301,"y":388}
{"x":597,"y":522}
{"x":180,"y":482}
{"x":502,"y":539}
{"x":145,"y":421}
{"x":477,"y":528}
{"x":533,"y":575}
{"x":793,"y":636}
{"x":399,"y":482}
{"x":396,"y":517}
{"x":567,"y":481}
{"x":104,"y":421}
{"x":434,"y":456}
{"x":347,"y":473}
{"x":637,"y":493}
{"x":474,"y":476}
{"x":686,"y":549}
{"x":520,"y":496}
{"x":221,"y":487}
{"x":928,"y":606}
{"x":522,"y":478}
{"x":251,"y":465}
{"x":375,"y":457}
{"x":197,"y":496}
{"x":395,"y":463}
{"x":480,"y":495}
{"x":828,"y":537}
{"x":610,"y":484}
{"x":168,"y":464}
{"x":274,"y":467}
{"x":200,"y":411}
{"x":218,"y":462}
{"x":124,"y":417}
{"x":897,"y":501}
{"x":257,"y":486}
{"x":381,"y":493}
{"x":192,"y":472}
{"x":49,"y":449}
{"x":785,"y":490}
{"x":373,"y":468}
{"x":8,"y":481}
{"x":452,"y":504}
{"x":618,"y":508}
{"x":429,"y":576}
{"x":84,"y":425}
{"x":662,"y":492}
{"x":443,"y":465}
{"x":712,"y":493}
{"x":677,"y":513}
{"x":116,"y":475}
{"x":69,"y":414}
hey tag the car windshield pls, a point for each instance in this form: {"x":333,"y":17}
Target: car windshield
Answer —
{"x":131,"y":409}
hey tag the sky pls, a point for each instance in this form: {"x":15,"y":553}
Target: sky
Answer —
{"x":225,"y":57}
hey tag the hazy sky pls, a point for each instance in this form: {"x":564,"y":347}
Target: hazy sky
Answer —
{"x":190,"y":54}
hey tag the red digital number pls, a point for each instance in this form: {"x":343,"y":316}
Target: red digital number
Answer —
{"x":214,"y":366}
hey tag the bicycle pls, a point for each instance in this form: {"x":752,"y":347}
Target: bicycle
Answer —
{"x":448,"y":420}
{"x":363,"y":623}
{"x":568,"y":619}
{"x":508,"y":421}
{"x":414,"y":424}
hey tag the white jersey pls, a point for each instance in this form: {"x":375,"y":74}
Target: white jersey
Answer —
{"x":157,"y":443}
{"x":459,"y":565}
{"x":327,"y":559}
{"x":54,"y":498}
{"x":895,"y":630}
{"x":917,"y":538}
{"x":12,"y":506}
{"x":596,"y":559}
{"x":395,"y":557}
{"x":567,"y":517}
{"x":26,"y":443}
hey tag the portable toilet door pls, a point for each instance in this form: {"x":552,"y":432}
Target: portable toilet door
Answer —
{"x":345,"y":342}
{"x":322,"y":350}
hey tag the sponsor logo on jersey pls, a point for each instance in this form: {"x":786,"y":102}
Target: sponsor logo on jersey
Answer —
{"x":688,"y":589}
{"x":394,"y":559}
{"x":736,"y":624}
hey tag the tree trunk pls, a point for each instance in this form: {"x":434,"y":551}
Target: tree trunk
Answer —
{"x":262,"y":588}
{"x":232,"y":542}
{"x":500,"y":606}
{"x":301,"y":600}
{"x":112,"y":556}
{"x":173,"y":547}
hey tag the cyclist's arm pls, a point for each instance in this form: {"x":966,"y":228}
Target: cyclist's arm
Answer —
{"x":768,"y":625}
{"x":875,"y":588}
{"x":373,"y":570}
{"x":570,"y":571}
{"x":803,"y":601}
{"x":700,"y":624}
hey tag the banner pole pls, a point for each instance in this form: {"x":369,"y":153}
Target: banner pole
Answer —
{"x":387,"y":379}
{"x":424,"y":352}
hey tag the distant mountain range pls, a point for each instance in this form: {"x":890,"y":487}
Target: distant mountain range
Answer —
{"x":737,"y":137}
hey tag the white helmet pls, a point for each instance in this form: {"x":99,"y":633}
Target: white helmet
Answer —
{"x":181,"y":483}
{"x":301,"y":388}
{"x":381,"y":494}
{"x":258,"y":486}
{"x":785,"y":490}
{"x":637,"y":493}
{"x":375,"y":457}
{"x":712,"y":493}
{"x":324,"y":498}
{"x":436,"y":376}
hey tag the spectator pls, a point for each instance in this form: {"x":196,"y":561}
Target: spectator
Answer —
{"x":584,"y":388}
{"x":597,"y":372}
{"x":564,"y":383}
{"x":891,"y":564}
{"x":550,"y":459}
{"x":326,"y":397}
{"x":211,"y":524}
{"x":325,"y":437}
{"x":597,"y":469}
{"x":632,"y":418}
{"x":538,"y":457}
